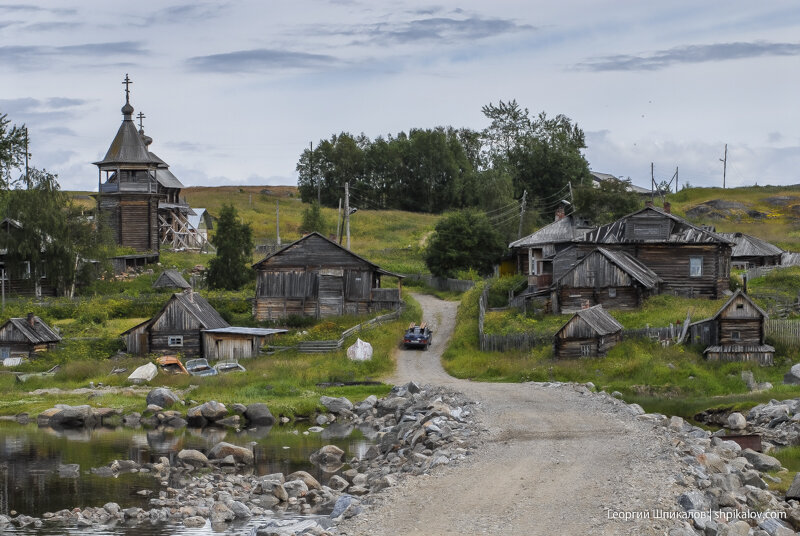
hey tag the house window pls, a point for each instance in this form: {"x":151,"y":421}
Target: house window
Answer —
{"x":695,"y":266}
{"x":736,"y":336}
{"x":612,"y":293}
{"x":740,"y":306}
{"x":586,"y":350}
{"x":5,"y":352}
{"x":175,"y":340}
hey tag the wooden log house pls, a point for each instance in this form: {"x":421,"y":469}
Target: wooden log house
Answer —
{"x":750,"y":251}
{"x":25,"y":337}
{"x":314,"y":276}
{"x":591,"y":332}
{"x":604,"y":277}
{"x":171,"y":278}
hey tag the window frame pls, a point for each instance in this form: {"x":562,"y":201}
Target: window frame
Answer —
{"x":692,"y":260}
{"x":586,"y":350}
{"x":175,"y":341}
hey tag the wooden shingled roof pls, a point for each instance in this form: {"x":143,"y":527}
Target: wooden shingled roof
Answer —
{"x":628,"y":264}
{"x":38,"y":333}
{"x":195,"y":305}
{"x":751,"y":246}
{"x":171,"y":278}
{"x":597,"y":319}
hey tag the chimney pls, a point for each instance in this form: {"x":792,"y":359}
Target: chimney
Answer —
{"x":560,"y":213}
{"x":667,"y":207}
{"x":649,"y":203}
{"x":31,"y":320}
{"x":190,"y":292}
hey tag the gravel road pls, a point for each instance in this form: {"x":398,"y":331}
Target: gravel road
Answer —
{"x":551,"y":460}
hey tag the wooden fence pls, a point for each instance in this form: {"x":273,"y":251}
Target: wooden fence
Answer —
{"x":783,"y":331}
{"x":443,"y":283}
{"x":315,"y":347}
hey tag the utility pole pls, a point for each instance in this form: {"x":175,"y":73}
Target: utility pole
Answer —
{"x":27,"y":177}
{"x":339,"y":223}
{"x":278,"y":221}
{"x":571,"y":195}
{"x":652,"y":184}
{"x":347,"y":211}
{"x":724,"y":165}
{"x":676,"y":179}
{"x":522,"y":213}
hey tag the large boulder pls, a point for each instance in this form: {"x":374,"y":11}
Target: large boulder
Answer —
{"x":162,"y":397}
{"x":794,"y":490}
{"x":793,"y":376}
{"x":736,"y":421}
{"x":194,"y":417}
{"x":327,"y":455}
{"x":222,"y":450}
{"x":193,"y":457}
{"x":213,"y":410}
{"x":336,"y":405}
{"x":72,"y":416}
{"x":259,"y":415}
{"x":762,"y":462}
{"x":310,"y":481}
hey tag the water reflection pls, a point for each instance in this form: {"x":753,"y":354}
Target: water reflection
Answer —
{"x":46,"y":470}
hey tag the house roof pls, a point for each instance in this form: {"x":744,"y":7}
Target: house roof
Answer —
{"x":739,"y":348}
{"x":599,"y":320}
{"x":631,"y":266}
{"x":316,"y":234}
{"x":200,"y":215}
{"x":600,"y":177}
{"x":733,"y":298}
{"x":171,"y":278}
{"x":165,"y":177}
{"x":235,"y":330}
{"x":751,"y":246}
{"x":39,"y":333}
{"x":128,"y":147}
{"x":566,"y":229}
{"x":194,"y":304}
{"x":682,"y":233}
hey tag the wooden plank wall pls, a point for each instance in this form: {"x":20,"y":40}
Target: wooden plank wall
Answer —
{"x":230,"y":347}
{"x":571,"y":300}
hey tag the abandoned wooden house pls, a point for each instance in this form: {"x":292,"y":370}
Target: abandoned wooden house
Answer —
{"x":316,"y":277}
{"x":234,"y":343}
{"x":171,"y":278}
{"x":140,"y":197}
{"x":750,"y":251}
{"x":535,"y":252}
{"x":177,"y":328}
{"x":25,"y":337}
{"x":612,"y":279}
{"x":591,"y":332}
{"x":690,"y":260}
{"x":20,"y":279}
{"x":735,"y":333}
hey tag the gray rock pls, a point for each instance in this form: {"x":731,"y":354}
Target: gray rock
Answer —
{"x":321,"y":419}
{"x":794,"y":489}
{"x":336,"y":405}
{"x":240,"y":454}
{"x":776,"y":527}
{"x":162,"y":397}
{"x":193,"y":457}
{"x":220,"y":513}
{"x":366,"y":405}
{"x":343,"y":503}
{"x":338,"y":483}
{"x":194,"y":522}
{"x":736,"y":421}
{"x":112,"y":508}
{"x":762,"y":462}
{"x":296,"y":488}
{"x":735,"y":528}
{"x":793,"y":376}
{"x":258,"y":414}
{"x":327,"y":455}
{"x":309,"y":480}
{"x":72,"y":417}
{"x":213,"y":410}
{"x":287,"y":527}
{"x":693,"y":500}
{"x":240,"y":510}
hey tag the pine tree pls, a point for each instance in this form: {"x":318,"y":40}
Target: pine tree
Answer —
{"x":230,"y":268}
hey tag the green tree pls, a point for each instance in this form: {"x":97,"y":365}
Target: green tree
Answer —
{"x":230,"y":268}
{"x":463,"y":240}
{"x":12,"y":148}
{"x":313,"y":220}
{"x":607,"y":202}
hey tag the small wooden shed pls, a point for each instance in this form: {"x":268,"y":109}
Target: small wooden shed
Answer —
{"x":24,"y":337}
{"x":613,"y":279}
{"x":171,"y":278}
{"x":735,"y":333}
{"x":317,"y":277}
{"x":177,"y":328}
{"x":591,"y":332}
{"x":234,"y":343}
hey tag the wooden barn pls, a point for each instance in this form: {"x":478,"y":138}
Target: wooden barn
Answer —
{"x":20,"y":280}
{"x":604,"y":277}
{"x":534,"y":253}
{"x":735,"y":333}
{"x":316,"y":277}
{"x":234,"y":343}
{"x":171,"y":278}
{"x":177,"y":328}
{"x":690,"y":260}
{"x":750,"y":251}
{"x":591,"y":332}
{"x":24,"y":337}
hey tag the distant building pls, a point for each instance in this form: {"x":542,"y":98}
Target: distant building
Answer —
{"x":598,"y":178}
{"x":750,"y":251}
{"x":19,"y":280}
{"x":591,"y":332}
{"x":171,"y":278}
{"x":25,"y":337}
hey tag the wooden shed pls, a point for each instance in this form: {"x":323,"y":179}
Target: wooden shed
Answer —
{"x":24,"y":337}
{"x":171,"y":278}
{"x":735,"y":333}
{"x":234,"y":343}
{"x":316,"y":277}
{"x":177,"y":328}
{"x":591,"y":332}
{"x":604,"y":277}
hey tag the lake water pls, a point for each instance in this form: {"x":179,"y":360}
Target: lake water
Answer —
{"x":45,"y":470}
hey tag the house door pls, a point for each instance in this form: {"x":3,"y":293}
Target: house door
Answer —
{"x":331,"y":293}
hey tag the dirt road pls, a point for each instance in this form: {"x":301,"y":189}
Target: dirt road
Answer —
{"x":553,"y":461}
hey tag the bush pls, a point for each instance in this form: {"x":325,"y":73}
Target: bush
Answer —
{"x":499,"y":289}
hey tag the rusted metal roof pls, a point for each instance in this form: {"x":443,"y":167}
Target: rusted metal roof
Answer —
{"x":599,"y":320}
{"x":751,"y":246}
{"x":566,"y":229}
{"x":39,"y":333}
{"x":171,"y":278}
{"x":682,"y":232}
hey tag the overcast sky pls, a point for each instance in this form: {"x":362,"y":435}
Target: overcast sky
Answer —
{"x":234,"y":91}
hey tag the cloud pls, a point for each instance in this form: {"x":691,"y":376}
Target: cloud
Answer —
{"x":775,"y":137}
{"x":184,"y":13}
{"x":26,"y":8}
{"x":32,"y":57}
{"x":261,"y":59}
{"x":691,"y":54}
{"x":53,"y":26}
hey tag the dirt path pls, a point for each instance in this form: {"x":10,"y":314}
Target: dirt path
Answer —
{"x":554,"y":461}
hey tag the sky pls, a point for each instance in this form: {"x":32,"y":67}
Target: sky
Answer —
{"x":233,"y":92}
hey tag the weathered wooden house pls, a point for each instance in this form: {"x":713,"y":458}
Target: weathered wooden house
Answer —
{"x":591,"y":332}
{"x":177,"y":328}
{"x":234,"y":343}
{"x":534,"y":253}
{"x":316,"y":277}
{"x":140,"y":197}
{"x":690,"y":260}
{"x":604,"y":277}
{"x":735,"y":333}
{"x":24,"y":337}
{"x":20,"y":280}
{"x":750,"y":251}
{"x":171,"y":278}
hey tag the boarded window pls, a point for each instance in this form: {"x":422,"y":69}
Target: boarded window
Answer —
{"x":175,"y":341}
{"x":695,"y":266}
{"x":649,"y":231}
{"x":586,"y":350}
